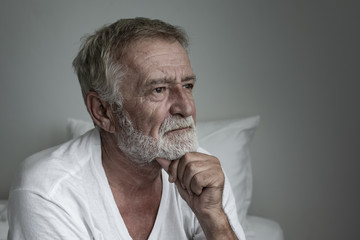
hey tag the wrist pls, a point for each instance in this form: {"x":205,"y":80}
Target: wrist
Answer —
{"x":215,"y":225}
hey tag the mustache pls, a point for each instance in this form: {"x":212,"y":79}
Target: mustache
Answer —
{"x":172,"y":123}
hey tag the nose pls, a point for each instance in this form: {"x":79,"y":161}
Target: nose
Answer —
{"x":182,"y":102}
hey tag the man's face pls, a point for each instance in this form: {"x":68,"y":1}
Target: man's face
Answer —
{"x":158,"y":105}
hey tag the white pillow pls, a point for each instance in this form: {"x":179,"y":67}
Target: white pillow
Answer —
{"x":75,"y":127}
{"x":229,"y":140}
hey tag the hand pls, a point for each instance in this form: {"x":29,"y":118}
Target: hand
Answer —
{"x":200,"y":181}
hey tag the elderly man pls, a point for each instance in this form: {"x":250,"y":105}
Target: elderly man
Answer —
{"x":137,"y":81}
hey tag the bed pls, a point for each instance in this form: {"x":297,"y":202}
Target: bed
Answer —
{"x":3,"y":220}
{"x":229,"y":140}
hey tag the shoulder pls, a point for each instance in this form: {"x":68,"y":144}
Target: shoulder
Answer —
{"x":42,"y":171}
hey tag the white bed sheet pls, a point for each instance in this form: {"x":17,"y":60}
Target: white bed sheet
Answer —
{"x":3,"y":230}
{"x":258,"y":228}
{"x":3,"y":220}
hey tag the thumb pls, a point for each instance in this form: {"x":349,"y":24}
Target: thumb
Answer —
{"x":164,"y":163}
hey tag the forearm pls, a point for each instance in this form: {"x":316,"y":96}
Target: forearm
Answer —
{"x":216,"y":226}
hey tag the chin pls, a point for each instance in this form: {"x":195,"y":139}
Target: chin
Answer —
{"x":176,"y":151}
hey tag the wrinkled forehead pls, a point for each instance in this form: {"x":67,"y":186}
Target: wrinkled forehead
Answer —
{"x":157,"y":59}
{"x":144,"y":53}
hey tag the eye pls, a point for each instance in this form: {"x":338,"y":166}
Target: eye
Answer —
{"x":189,"y":86}
{"x":159,"y":90}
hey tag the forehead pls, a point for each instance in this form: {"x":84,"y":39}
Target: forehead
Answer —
{"x":157,"y":58}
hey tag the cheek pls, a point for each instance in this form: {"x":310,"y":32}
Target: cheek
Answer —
{"x":148,"y":118}
{"x":156,"y":117}
{"x":194,"y":115}
{"x":194,"y":110}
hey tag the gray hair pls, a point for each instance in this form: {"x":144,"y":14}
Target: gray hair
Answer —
{"x":98,"y":64}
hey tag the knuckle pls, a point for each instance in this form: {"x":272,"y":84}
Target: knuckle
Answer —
{"x":197,"y":178}
{"x":186,"y":158}
{"x":192,"y":166}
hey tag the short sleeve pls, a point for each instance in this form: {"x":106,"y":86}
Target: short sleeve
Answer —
{"x":32,"y":216}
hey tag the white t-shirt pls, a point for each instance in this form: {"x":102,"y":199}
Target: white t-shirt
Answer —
{"x":63,"y":193}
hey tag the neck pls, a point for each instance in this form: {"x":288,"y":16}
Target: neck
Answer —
{"x":125,"y":175}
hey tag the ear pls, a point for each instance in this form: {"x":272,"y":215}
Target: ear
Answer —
{"x":100,"y":112}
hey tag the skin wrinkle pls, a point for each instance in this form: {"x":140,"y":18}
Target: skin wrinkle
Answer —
{"x":155,"y":69}
{"x":143,"y":114}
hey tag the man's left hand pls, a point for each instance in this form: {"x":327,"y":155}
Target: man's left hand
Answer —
{"x":200,"y":181}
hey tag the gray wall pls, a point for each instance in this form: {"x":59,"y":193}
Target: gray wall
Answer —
{"x":295,"y":63}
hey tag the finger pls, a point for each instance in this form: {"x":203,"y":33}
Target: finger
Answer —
{"x":183,"y":192}
{"x":188,"y":164}
{"x":184,"y":160}
{"x":172,"y":171}
{"x":170,"y":167}
{"x":192,"y":174}
{"x":200,"y":181}
{"x":164,"y":163}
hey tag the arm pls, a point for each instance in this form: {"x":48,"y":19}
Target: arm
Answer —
{"x":200,"y":182}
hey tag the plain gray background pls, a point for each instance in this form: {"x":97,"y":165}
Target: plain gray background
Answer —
{"x":294,"y":63}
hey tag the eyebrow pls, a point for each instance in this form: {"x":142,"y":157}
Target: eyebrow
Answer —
{"x":170,"y":80}
{"x":189,"y":78}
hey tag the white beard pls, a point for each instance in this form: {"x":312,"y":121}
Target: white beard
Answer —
{"x":144,"y":149}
